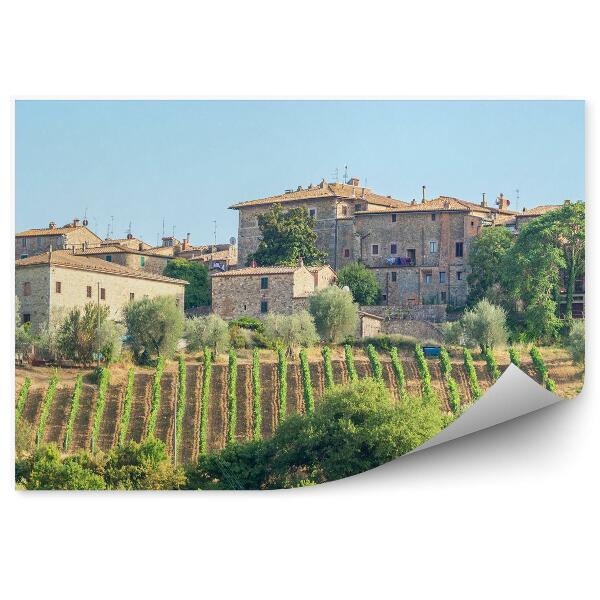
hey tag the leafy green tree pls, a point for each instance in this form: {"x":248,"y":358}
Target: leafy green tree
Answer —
{"x":485,"y":325}
{"x":154,"y":326}
{"x":23,"y":335}
{"x":210,"y":331}
{"x":487,"y":256}
{"x":576,"y":341}
{"x":353,"y":429}
{"x":109,"y":338}
{"x":78,"y":334}
{"x":361,"y":281}
{"x":197,"y":292}
{"x":291,"y":331}
{"x":45,"y":469}
{"x":335,"y":314}
{"x":287,"y":235}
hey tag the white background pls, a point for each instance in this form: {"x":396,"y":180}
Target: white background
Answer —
{"x":507,"y":513}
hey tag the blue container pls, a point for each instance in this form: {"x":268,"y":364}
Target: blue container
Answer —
{"x":431,"y":351}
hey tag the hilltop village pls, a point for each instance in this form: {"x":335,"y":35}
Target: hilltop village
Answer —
{"x":418,"y":251}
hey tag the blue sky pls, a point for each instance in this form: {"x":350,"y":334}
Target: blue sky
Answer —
{"x":187,"y":161}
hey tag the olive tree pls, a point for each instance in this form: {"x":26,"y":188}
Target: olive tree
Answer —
{"x":485,"y":325}
{"x":292,"y":331}
{"x":211,"y":331}
{"x":335,"y":313}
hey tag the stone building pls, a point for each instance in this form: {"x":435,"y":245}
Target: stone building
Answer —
{"x":49,"y":284}
{"x":419,"y":251}
{"x":127,"y":257}
{"x":330,"y":203}
{"x":257,"y":291}
{"x":38,"y":241}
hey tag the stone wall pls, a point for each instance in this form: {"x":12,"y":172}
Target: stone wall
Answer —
{"x":37,"y":303}
{"x":421,"y":330}
{"x":32,"y":245}
{"x":434,"y":313}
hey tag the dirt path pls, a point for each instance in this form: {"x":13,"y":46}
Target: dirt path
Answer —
{"x":113,"y":407}
{"x":269,"y":399}
{"x":140,"y":406}
{"x":244,"y":403}
{"x":58,"y":417}
{"x":165,"y":421}
{"x":82,"y":428}
{"x":295,"y":390}
{"x":217,"y":408}
{"x":190,"y":430}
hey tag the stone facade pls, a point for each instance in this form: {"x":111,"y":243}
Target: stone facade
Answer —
{"x":127,"y":257}
{"x":47,"y":290}
{"x":38,"y":241}
{"x":257,"y":291}
{"x":369,"y":325}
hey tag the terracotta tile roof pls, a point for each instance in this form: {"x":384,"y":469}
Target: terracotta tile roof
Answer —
{"x":539,"y":210}
{"x":65,"y":258}
{"x":325,"y":190}
{"x":441,"y":203}
{"x":257,"y":271}
{"x":54,"y":231}
{"x":219,"y":255}
{"x":505,"y":220}
{"x":112,"y":249}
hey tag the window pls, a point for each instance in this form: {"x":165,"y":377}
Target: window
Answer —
{"x":24,"y":255}
{"x":23,"y":242}
{"x":142,"y":261}
{"x":443,"y":294}
{"x":459,"y":275}
{"x":394,"y":216}
{"x":312,"y":212}
{"x":384,"y":297}
{"x":264,"y":283}
{"x":412,"y":254}
{"x":40,"y":242}
{"x":26,"y":318}
{"x":458,"y":247}
{"x":346,"y":252}
{"x":27,"y":288}
{"x":109,"y":258}
{"x":344,"y":211}
{"x":264,"y":306}
{"x":394,"y":276}
{"x":433,"y":216}
{"x":472,"y":223}
{"x":131,"y":296}
{"x":394,"y":249}
{"x":432,"y":247}
{"x":427,"y":277}
{"x":375,"y":249}
{"x":88,"y":291}
{"x":102,"y":294}
{"x":58,"y":287}
{"x":357,"y":206}
{"x":442,"y":276}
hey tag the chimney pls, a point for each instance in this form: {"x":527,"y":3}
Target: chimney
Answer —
{"x":140,"y":246}
{"x":75,"y":222}
{"x":187,"y":237}
{"x":483,"y":202}
{"x":413,"y":202}
{"x":253,"y":264}
{"x":502,"y":202}
{"x":354,"y":181}
{"x":423,"y":200}
{"x":300,"y":261}
{"x":52,"y":225}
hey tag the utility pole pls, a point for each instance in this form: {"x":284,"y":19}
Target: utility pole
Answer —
{"x":98,"y":329}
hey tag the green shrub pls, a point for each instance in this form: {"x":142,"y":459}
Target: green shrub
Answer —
{"x":181,"y":398}
{"x":23,"y":393}
{"x":471,"y":375}
{"x":425,"y":375}
{"x":327,"y":368}
{"x":445,"y":363}
{"x":309,"y":400}
{"x":256,"y":407}
{"x":240,"y":338}
{"x":398,"y":372}
{"x":492,"y":365}
{"x":352,"y":374}
{"x":127,"y":402}
{"x":155,"y":404}
{"x":453,"y":395}
{"x":102,"y":389}
{"x":576,"y":341}
{"x":73,"y":412}
{"x":515,"y":359}
{"x":206,"y":375}
{"x":46,"y":406}
{"x":375,"y":363}
{"x":248,"y":323}
{"x":542,"y":370}
{"x":282,"y":378}
{"x":260,"y":340}
{"x":232,"y":395}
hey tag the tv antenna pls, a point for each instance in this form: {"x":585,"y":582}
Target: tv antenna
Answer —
{"x":517,"y":192}
{"x":215,"y":232}
{"x":345,"y":173}
{"x":163,"y":227}
{"x":336,"y":175}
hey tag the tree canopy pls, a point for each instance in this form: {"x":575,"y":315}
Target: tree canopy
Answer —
{"x":361,"y":281}
{"x":335,"y":313}
{"x":197,"y":292}
{"x":154,"y":326}
{"x":287,"y":235}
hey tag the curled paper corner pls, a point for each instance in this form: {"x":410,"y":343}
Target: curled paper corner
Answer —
{"x":514,"y":394}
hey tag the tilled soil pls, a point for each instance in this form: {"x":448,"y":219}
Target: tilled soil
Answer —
{"x":566,"y":375}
